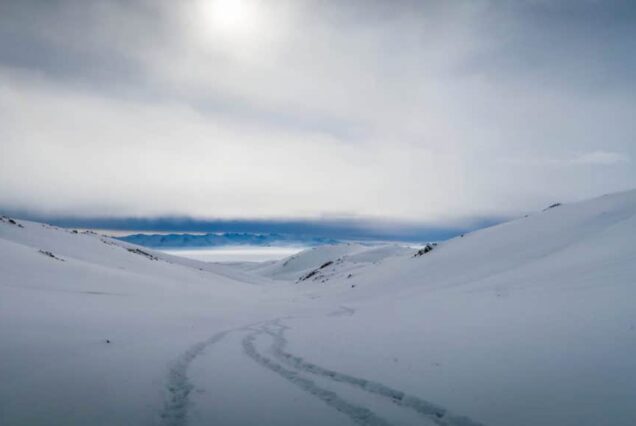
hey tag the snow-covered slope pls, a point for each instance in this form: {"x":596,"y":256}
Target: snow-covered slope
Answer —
{"x":531,"y":322}
{"x":64,"y":295}
{"x":326,"y":262}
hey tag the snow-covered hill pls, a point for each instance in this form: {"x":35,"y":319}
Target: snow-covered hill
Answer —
{"x":531,"y":322}
{"x":327,"y":262}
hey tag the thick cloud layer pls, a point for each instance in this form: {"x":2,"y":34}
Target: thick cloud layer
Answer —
{"x":428,"y":111}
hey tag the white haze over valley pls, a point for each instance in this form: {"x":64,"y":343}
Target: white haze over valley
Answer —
{"x":237,"y":253}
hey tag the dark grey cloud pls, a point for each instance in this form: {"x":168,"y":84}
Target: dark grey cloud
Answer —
{"x":74,"y":40}
{"x":577,"y":45}
{"x":591,"y":41}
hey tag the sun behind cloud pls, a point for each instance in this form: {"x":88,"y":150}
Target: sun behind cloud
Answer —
{"x":231,"y":25}
{"x":242,"y":29}
{"x":230,"y":17}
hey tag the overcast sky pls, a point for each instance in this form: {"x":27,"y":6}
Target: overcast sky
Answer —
{"x":431,"y":111}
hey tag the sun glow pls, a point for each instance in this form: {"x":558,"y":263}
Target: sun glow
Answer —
{"x":231,"y":19}
{"x":246,"y":30}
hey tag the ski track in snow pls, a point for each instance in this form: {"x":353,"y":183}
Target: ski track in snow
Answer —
{"x":179,"y":387}
{"x":431,"y":411}
{"x":175,"y":409}
{"x":358,"y":414}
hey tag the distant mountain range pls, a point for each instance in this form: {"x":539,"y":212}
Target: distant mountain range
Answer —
{"x":223,"y":239}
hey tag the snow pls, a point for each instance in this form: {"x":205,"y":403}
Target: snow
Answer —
{"x":531,"y":322}
{"x":340,"y":259}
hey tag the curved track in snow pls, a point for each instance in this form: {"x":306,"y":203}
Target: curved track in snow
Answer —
{"x":178,"y":385}
{"x":295,"y":370}
{"x":358,"y":414}
{"x":433,"y":412}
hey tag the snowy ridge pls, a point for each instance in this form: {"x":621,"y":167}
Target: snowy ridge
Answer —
{"x":327,"y":262}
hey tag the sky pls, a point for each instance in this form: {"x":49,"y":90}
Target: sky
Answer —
{"x":433,"y":113}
